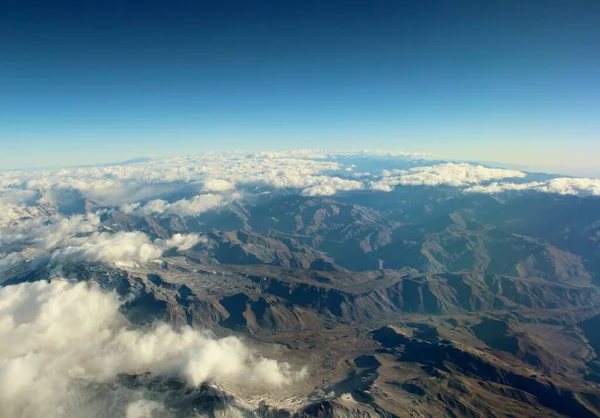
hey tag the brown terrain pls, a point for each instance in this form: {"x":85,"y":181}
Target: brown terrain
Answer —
{"x":428,"y":305}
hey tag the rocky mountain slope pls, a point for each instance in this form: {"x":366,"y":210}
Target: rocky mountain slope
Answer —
{"x":425,"y":303}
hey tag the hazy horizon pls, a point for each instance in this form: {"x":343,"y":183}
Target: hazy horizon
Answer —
{"x":548,"y":169}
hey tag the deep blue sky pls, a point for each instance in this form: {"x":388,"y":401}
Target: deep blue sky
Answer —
{"x":515,"y":81}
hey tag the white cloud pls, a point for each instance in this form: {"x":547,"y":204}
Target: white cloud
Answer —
{"x":330,"y":186}
{"x":121,"y":246}
{"x":118,"y":185}
{"x":295,"y":154}
{"x":382,"y":186}
{"x":565,"y":186}
{"x":126,"y":184}
{"x":392,"y":153}
{"x":217,"y":185}
{"x":188,"y":186}
{"x":130,"y":208}
{"x":184,"y":242}
{"x":47,"y":232}
{"x":573,"y":186}
{"x":184,"y":207}
{"x":448,"y":174}
{"x":60,"y":240}
{"x":194,"y":206}
{"x":496,"y":187}
{"x":107,"y":247}
{"x":58,"y":338}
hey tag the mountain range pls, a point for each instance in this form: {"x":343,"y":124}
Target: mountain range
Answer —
{"x":422,"y":302}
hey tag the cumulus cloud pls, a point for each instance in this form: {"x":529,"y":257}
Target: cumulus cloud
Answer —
{"x":58,"y":339}
{"x":117,"y":185}
{"x":330,"y":186}
{"x":121,"y":246}
{"x":194,"y":206}
{"x":126,"y":184}
{"x":188,"y":186}
{"x":107,"y":247}
{"x":183,"y":207}
{"x":183,"y":242}
{"x":58,"y":240}
{"x":448,"y":174}
{"x":217,"y":185}
{"x":564,"y":186}
{"x":496,"y":187}
{"x":47,"y":232}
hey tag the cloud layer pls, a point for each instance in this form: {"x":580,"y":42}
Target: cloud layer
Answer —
{"x":54,"y":215}
{"x":449,"y":174}
{"x":183,"y":207}
{"x":564,"y":186}
{"x":187,"y":186}
{"x":57,"y":338}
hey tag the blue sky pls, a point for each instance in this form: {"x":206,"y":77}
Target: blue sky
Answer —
{"x":85,"y":82}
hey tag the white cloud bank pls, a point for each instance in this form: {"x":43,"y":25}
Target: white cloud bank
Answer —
{"x":182,"y":242}
{"x":57,"y":337}
{"x":563,"y":186}
{"x":189,"y":186}
{"x":42,"y":212}
{"x":184,"y":207}
{"x":107,"y":247}
{"x":217,"y":185}
{"x":331,"y":185}
{"x":59,"y":240}
{"x":318,"y":172}
{"x":449,"y":174}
